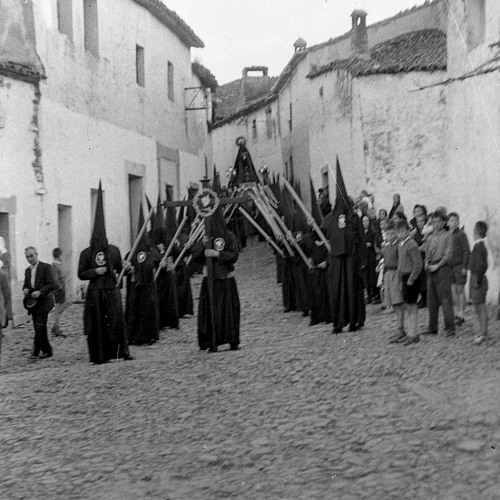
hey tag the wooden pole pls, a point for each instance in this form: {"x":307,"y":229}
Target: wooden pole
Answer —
{"x":261,"y":231}
{"x":310,"y":218}
{"x":196,"y":234}
{"x":136,"y":244}
{"x":170,"y":246}
{"x":210,"y":287}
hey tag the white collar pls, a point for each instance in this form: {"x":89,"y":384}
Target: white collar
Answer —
{"x":481,"y":240}
{"x":407,"y":238}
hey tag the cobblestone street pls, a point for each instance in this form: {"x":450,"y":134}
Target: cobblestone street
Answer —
{"x":297,"y":413}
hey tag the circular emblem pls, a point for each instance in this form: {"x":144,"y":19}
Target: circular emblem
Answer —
{"x":141,"y":257}
{"x":100,"y":259}
{"x":342,"y":222}
{"x":205,"y":202}
{"x":219,"y":244}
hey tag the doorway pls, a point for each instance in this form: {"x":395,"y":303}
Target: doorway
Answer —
{"x":135,"y":195}
{"x":65,"y":243}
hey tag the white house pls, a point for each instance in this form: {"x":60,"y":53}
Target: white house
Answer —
{"x":112,"y":107}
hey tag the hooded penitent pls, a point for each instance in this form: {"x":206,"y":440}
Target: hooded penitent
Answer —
{"x":158,"y":231}
{"x":341,"y":213}
{"x":171,"y":222}
{"x":98,"y":240}
{"x":315,"y":211}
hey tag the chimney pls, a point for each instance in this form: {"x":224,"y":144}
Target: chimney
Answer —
{"x":300,"y":44}
{"x":242,"y":98}
{"x":359,"y":35}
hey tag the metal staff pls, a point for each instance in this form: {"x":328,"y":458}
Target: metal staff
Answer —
{"x":261,"y":231}
{"x":310,"y":219}
{"x":170,"y":246}
{"x":136,"y":244}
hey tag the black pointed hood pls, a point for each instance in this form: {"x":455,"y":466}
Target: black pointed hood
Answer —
{"x":315,"y":211}
{"x":342,"y":203}
{"x":98,"y":240}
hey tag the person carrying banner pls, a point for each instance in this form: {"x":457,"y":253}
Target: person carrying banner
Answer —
{"x":223,"y":249}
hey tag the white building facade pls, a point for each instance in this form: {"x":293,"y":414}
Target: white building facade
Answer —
{"x":112,"y":108}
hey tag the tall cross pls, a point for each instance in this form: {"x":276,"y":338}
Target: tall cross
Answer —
{"x":205,"y":203}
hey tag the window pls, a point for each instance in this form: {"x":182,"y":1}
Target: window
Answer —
{"x":65,"y":17}
{"x":254,"y":130}
{"x":139,"y":65}
{"x":290,"y":118}
{"x":170,"y":81}
{"x":269,"y":124}
{"x":90,"y":22}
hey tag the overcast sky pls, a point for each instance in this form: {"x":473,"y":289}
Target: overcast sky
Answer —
{"x":239,"y":33}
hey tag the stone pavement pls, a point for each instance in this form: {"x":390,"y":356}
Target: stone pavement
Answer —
{"x":297,"y":413}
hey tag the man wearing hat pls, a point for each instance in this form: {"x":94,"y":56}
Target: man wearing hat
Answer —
{"x":38,"y":300}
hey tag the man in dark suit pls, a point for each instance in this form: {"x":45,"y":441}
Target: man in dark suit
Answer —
{"x":39,"y":284}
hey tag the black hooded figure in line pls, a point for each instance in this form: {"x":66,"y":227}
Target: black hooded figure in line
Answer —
{"x":167,"y":278}
{"x":142,"y":313}
{"x":103,"y":321}
{"x":223,"y":249}
{"x":343,"y":228}
{"x":315,"y":250}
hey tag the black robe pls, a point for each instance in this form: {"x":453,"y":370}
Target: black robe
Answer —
{"x":103,"y":311}
{"x":183,"y":282}
{"x":142,"y":315}
{"x":347,"y":242}
{"x":288,"y":287}
{"x":168,"y":302}
{"x":225,"y":295}
{"x":320,"y":297}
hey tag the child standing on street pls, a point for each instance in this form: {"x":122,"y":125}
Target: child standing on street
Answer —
{"x":478,"y":284}
{"x":410,"y":266}
{"x":392,"y":286}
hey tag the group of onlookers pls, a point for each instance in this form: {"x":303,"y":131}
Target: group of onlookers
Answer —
{"x":422,"y":262}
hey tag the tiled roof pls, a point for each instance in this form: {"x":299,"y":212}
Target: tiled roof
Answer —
{"x":289,"y":68}
{"x":23,"y":72}
{"x":257,"y":94}
{"x":388,"y":20}
{"x":172,"y":21}
{"x":227,"y":96}
{"x":423,"y":50}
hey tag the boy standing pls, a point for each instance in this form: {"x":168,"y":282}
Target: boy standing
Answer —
{"x":410,"y":266}
{"x":459,"y":261}
{"x":478,"y":284}
{"x":392,"y":287}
